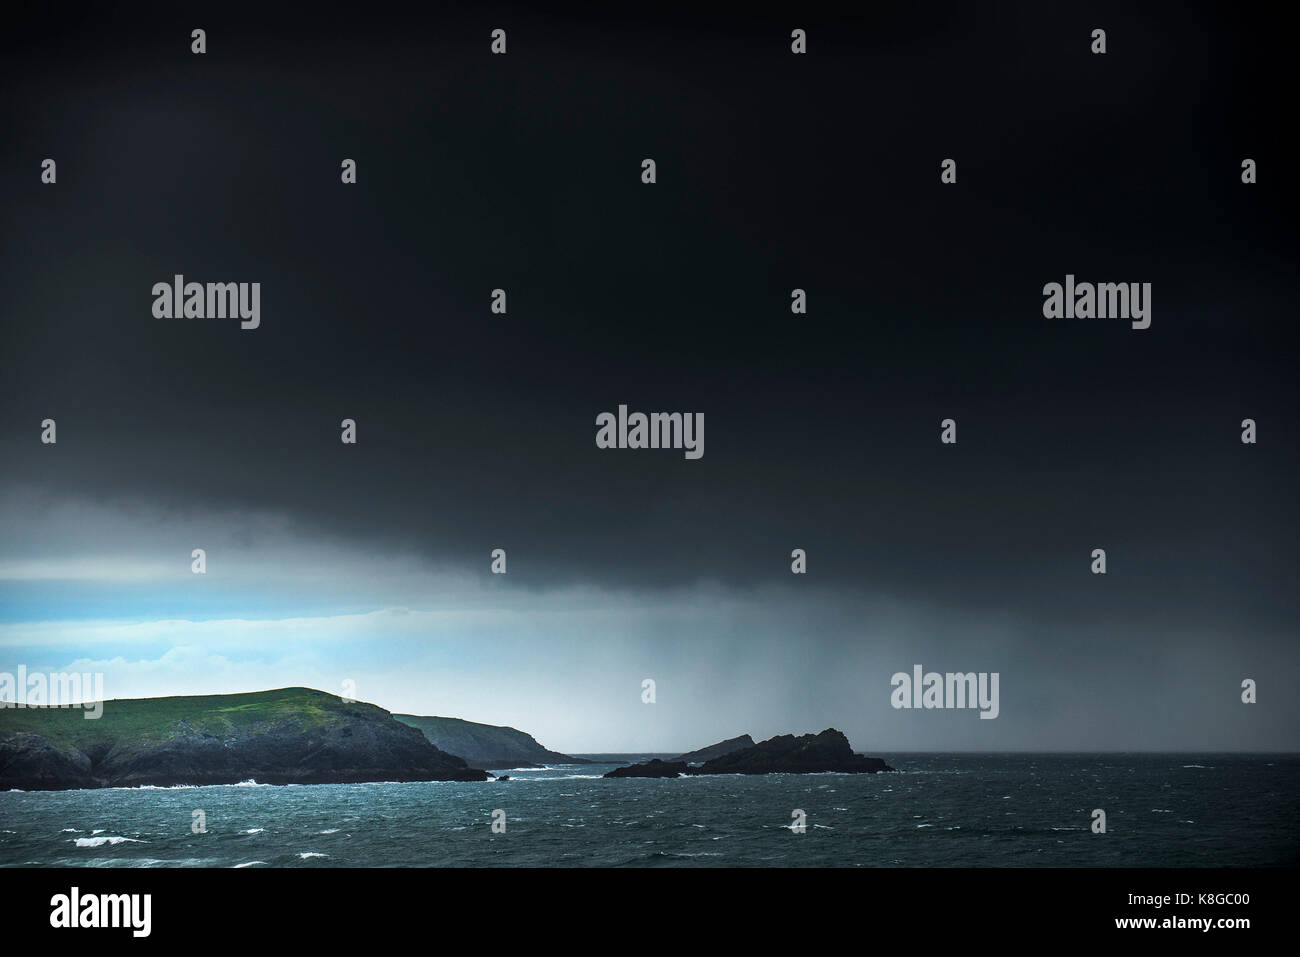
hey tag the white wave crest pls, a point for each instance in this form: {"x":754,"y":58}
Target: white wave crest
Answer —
{"x":100,"y":841}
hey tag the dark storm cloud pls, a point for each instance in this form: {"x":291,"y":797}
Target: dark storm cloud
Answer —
{"x":775,"y":172}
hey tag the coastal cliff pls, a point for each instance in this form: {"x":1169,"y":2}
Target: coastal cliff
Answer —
{"x":287,"y":736}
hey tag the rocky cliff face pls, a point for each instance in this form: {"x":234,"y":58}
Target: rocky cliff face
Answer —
{"x":291,"y":736}
{"x":31,"y":763}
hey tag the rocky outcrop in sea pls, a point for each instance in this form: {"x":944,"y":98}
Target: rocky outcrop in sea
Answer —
{"x":828,"y":751}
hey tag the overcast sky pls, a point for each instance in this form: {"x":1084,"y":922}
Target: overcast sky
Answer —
{"x":370,"y":562}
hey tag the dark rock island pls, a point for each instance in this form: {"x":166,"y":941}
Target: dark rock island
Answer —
{"x":784,"y":754}
{"x":288,"y":736}
{"x":654,"y":768}
{"x":716,"y":750}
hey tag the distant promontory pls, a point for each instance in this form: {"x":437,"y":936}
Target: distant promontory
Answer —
{"x":486,"y":745}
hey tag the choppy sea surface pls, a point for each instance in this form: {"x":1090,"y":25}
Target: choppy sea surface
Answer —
{"x":939,"y":810}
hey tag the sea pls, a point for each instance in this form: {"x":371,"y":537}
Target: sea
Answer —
{"x":937,"y":810}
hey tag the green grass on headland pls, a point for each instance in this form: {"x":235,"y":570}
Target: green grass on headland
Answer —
{"x":160,"y":719}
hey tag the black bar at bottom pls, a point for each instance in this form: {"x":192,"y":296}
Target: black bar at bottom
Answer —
{"x":733,"y":906}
